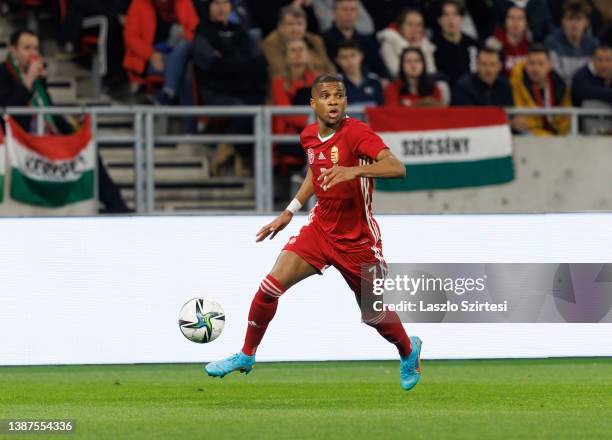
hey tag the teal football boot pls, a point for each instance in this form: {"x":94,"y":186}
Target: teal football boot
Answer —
{"x":410,"y":367}
{"x":238,"y":361}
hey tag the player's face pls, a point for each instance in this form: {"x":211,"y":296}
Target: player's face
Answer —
{"x":329,"y":103}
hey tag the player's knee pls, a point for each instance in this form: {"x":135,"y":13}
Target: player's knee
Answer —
{"x":270,"y":289}
{"x":374,"y":320}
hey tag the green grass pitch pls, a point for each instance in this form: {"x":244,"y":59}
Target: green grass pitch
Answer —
{"x":547,"y":398}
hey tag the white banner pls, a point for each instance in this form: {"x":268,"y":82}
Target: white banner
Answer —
{"x":108,"y":290}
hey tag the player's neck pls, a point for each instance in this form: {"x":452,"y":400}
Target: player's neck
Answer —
{"x":326,"y":130}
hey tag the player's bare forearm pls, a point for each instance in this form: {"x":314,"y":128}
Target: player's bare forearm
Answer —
{"x":283,"y":219}
{"x":306,"y":189}
{"x":387,"y":166}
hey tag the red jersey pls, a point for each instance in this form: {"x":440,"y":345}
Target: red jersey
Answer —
{"x":344,"y":212}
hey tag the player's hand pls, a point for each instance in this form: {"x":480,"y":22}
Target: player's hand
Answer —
{"x":273,"y":228}
{"x":335,"y":175}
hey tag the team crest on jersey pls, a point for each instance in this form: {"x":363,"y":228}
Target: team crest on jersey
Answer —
{"x":335,"y":155}
{"x":310,"y":156}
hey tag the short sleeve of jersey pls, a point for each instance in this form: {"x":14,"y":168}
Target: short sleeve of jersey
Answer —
{"x":366,"y":142}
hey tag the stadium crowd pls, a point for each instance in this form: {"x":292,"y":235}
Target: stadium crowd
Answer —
{"x":522,"y":53}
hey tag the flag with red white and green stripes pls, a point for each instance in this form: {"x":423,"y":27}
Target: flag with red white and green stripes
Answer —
{"x":53,"y":170}
{"x":445,"y":147}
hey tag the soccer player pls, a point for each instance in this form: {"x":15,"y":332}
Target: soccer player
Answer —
{"x":344,"y":155}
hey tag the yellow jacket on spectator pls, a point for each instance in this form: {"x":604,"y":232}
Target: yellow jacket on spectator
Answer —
{"x":525,"y":96}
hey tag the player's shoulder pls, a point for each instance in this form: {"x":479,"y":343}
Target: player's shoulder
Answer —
{"x":355,"y":126}
{"x":309,"y":134}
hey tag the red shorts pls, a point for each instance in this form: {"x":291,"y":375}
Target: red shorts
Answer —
{"x":315,"y":248}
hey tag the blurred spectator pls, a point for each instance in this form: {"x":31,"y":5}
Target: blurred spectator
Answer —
{"x":346,"y":13}
{"x":264,"y":16}
{"x":593,"y":82}
{"x":414,"y":87}
{"x":408,"y":32}
{"x":362,"y":87}
{"x":455,"y":52}
{"x":571,"y":46}
{"x":239,"y":15}
{"x":596,"y":19}
{"x":158,"y":36}
{"x":22,"y":84}
{"x":537,"y":12}
{"x":486,"y":86}
{"x":536,"y":85}
{"x":71,"y":30}
{"x":324,"y":10}
{"x":292,"y":26}
{"x":293,"y":87}
{"x":511,"y":39}
{"x":229,"y":73}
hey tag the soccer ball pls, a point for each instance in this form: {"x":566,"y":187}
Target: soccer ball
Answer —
{"x":201,"y":320}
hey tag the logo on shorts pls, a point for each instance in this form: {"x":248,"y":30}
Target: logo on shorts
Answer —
{"x":335,"y":155}
{"x":310,"y":156}
{"x":321,"y":156}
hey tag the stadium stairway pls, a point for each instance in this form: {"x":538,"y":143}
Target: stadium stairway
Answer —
{"x":182,"y":171}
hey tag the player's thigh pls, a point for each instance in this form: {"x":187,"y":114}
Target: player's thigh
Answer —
{"x":290,"y":269}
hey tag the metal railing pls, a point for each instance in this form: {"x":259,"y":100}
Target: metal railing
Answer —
{"x":144,"y":137}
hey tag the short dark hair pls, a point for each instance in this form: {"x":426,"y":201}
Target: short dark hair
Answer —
{"x":15,"y":36}
{"x":348,"y":43}
{"x":291,"y":10}
{"x":489,"y":50}
{"x":325,"y":78}
{"x":602,"y":47}
{"x":573,"y":8}
{"x":405,"y":13}
{"x":456,"y":3}
{"x":537,"y":48}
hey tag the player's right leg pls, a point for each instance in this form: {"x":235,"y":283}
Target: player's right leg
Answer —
{"x":288,"y":270}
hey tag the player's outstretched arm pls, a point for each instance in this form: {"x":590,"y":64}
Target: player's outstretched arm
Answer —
{"x":387,"y":166}
{"x":280,"y":222}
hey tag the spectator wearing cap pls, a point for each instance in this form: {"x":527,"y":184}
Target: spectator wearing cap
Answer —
{"x":292,"y":26}
{"x":346,"y":15}
{"x":409,"y":31}
{"x":571,"y":46}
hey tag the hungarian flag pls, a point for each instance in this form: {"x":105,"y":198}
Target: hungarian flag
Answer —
{"x":51,"y":171}
{"x":2,"y":163}
{"x":445,"y":147}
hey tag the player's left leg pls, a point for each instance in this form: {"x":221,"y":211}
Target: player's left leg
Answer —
{"x":386,"y":323}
